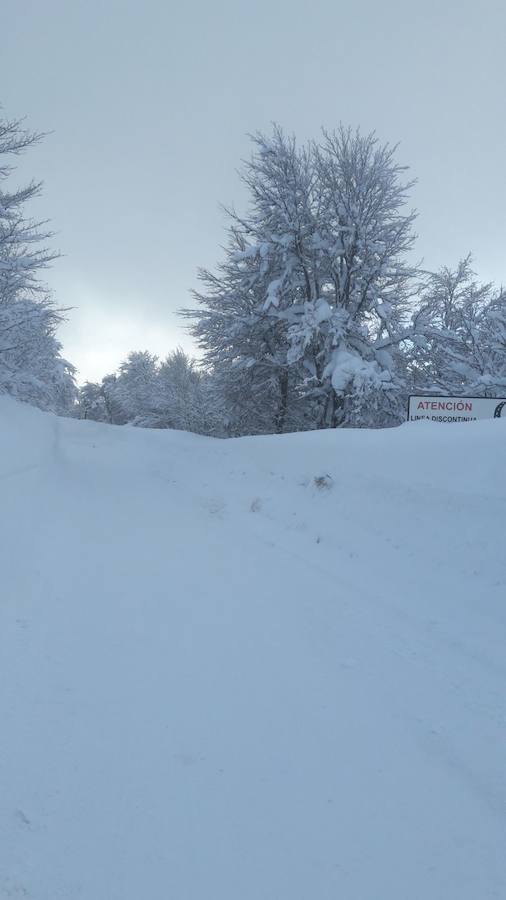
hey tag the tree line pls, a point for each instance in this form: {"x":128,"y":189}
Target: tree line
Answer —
{"x":316,"y":316}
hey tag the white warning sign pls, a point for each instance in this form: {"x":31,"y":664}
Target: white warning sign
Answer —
{"x":455,"y":409}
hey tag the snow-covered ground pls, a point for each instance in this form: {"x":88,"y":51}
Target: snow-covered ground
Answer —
{"x":221,"y":681}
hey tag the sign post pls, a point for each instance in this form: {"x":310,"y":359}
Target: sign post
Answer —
{"x":455,"y":409}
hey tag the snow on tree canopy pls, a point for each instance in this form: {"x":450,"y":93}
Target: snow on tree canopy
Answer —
{"x":31,"y":365}
{"x":317,"y":264}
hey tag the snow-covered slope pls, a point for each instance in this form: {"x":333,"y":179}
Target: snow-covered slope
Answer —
{"x":221,"y":681}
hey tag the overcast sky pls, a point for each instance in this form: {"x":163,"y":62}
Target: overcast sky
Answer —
{"x":149,"y":104}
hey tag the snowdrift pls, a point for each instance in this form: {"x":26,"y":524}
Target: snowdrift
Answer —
{"x":262,"y":669}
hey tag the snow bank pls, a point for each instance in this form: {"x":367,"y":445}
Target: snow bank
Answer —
{"x":255,"y":669}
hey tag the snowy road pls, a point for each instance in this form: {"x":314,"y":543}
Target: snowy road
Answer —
{"x":220,"y":681}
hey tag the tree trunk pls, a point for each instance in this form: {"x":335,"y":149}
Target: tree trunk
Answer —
{"x":333,"y":415}
{"x":283,"y":403}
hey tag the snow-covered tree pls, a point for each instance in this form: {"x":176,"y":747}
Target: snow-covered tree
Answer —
{"x":461,"y":323}
{"x":493,"y":335}
{"x":304,"y":320}
{"x":31,"y":365}
{"x":92,"y":403}
{"x":134,"y":389}
{"x":180,"y":394}
{"x":241,"y":326}
{"x":147,"y":393}
{"x":351,"y":331}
